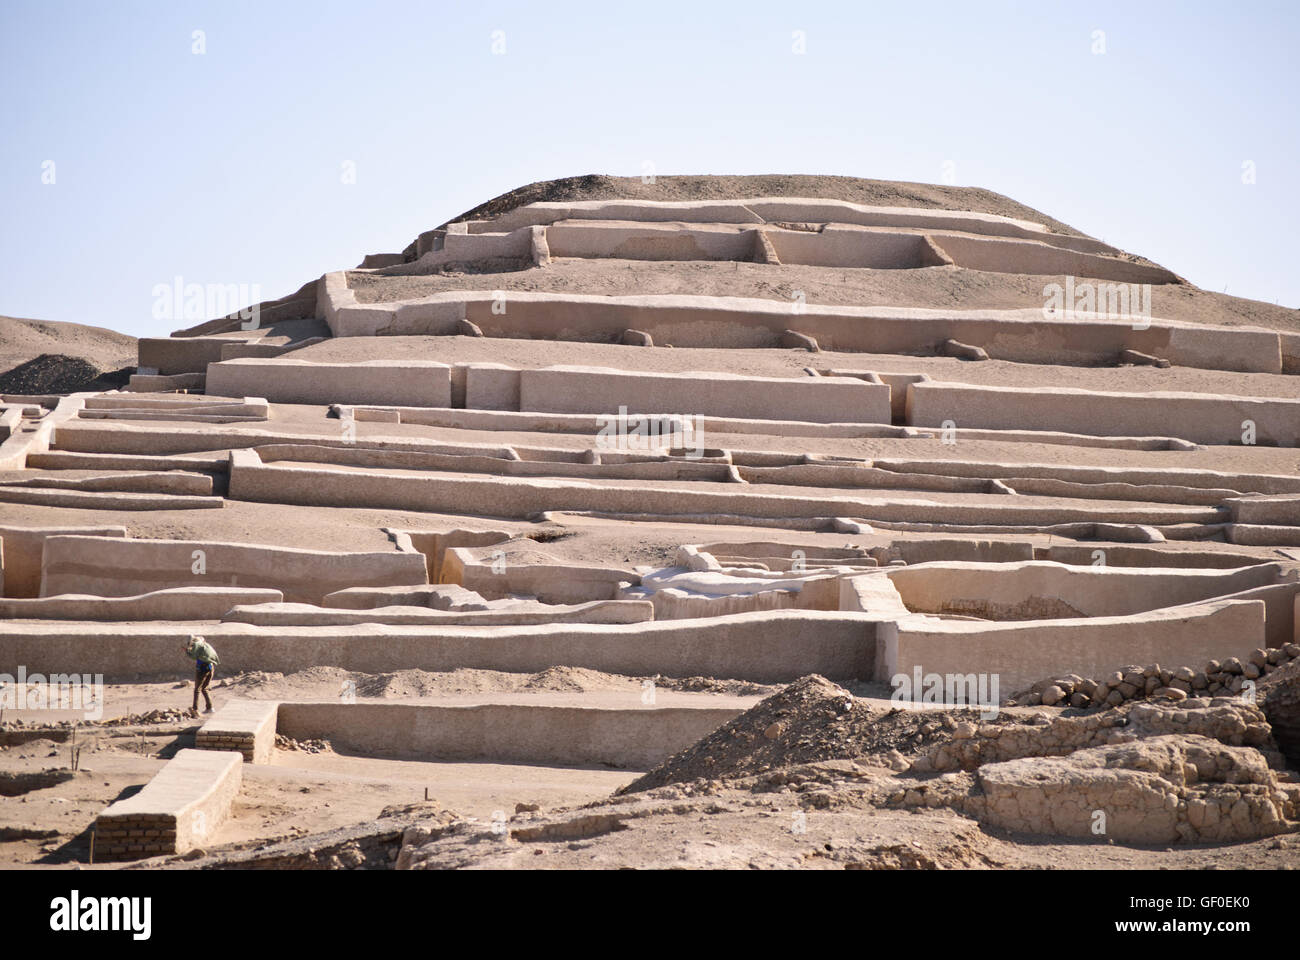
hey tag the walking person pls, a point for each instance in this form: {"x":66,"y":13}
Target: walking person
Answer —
{"x":205,"y":665}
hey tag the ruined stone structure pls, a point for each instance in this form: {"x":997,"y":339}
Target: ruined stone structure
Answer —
{"x":462,"y":457}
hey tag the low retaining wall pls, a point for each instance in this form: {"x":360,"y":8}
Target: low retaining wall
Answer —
{"x":873,"y":594}
{"x":170,"y":356}
{"x":178,"y":482}
{"x":420,"y":383}
{"x":1043,"y":590}
{"x":549,"y":583}
{"x":181,"y":603}
{"x":681,"y":593}
{"x":1201,"y":418}
{"x":954,"y":549}
{"x":179,"y":809}
{"x":1284,"y":511}
{"x":152,"y":383}
{"x":123,"y":568}
{"x":766,"y":210}
{"x":769,"y":647}
{"x":246,"y":726}
{"x":106,"y":500}
{"x":637,"y":738}
{"x":434,"y":545}
{"x":15,"y":451}
{"x":521,"y":498}
{"x":629,"y":240}
{"x":603,"y":391}
{"x":1021,"y":335}
{"x":1026,"y":257}
{"x":1020,"y":654}
{"x":24,"y":548}
{"x":1084,"y":475}
{"x":1123,"y":555}
{"x":305,"y":614}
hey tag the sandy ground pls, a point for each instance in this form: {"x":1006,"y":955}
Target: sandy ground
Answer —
{"x":298,"y":793}
{"x":22,"y":340}
{"x":304,"y":792}
{"x":823,"y":815}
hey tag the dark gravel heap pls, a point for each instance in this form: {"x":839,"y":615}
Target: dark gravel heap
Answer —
{"x":56,"y":373}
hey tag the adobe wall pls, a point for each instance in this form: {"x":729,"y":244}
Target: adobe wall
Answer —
{"x":434,"y":545}
{"x":837,"y":245}
{"x":540,"y":466}
{"x":1039,"y":590}
{"x":106,"y":500}
{"x":1147,"y":477}
{"x":238,"y":349}
{"x":1201,"y":418}
{"x":181,"y":603}
{"x":10,"y":418}
{"x":761,"y":210}
{"x":873,"y":594}
{"x":636,"y":738}
{"x":24,"y":548}
{"x":1283,"y":510}
{"x":181,"y":808}
{"x":175,"y":355}
{"x":421,"y":383}
{"x":15,"y":450}
{"x":969,"y":549}
{"x":152,"y":383}
{"x":122,"y":568}
{"x":151,"y":481}
{"x":627,"y":240}
{"x":680,"y":592}
{"x":699,"y":321}
{"x":566,"y":389}
{"x":1124,"y":555}
{"x":549,"y":583}
{"x":591,"y":424}
{"x":761,"y":549}
{"x":1023,"y":653}
{"x":1019,"y":256}
{"x":769,"y":647}
{"x":525,"y":613}
{"x":246,"y":726}
{"x":1262,"y":534}
{"x":1279,"y":610}
{"x":490,"y":386}
{"x":512,"y":245}
{"x":67,"y":460}
{"x":520,"y":498}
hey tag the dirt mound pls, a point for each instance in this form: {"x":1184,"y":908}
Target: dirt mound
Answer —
{"x":809,"y":721}
{"x":888,"y":193}
{"x":22,"y":340}
{"x":56,"y":373}
{"x":730,"y":688}
{"x":577,"y":679}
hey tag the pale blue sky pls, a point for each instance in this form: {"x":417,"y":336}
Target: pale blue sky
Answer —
{"x":225,"y":167}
